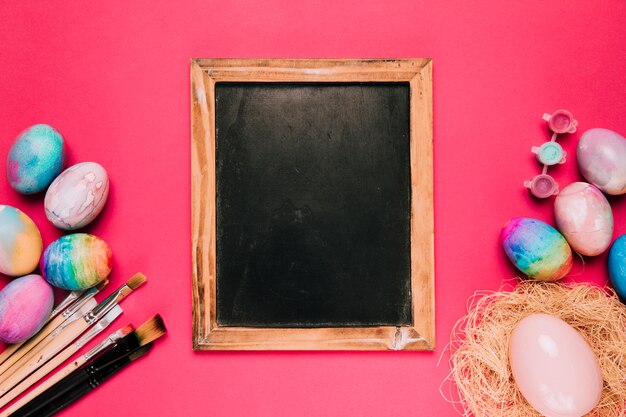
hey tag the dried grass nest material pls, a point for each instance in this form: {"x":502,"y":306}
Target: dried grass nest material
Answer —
{"x":480,"y":382}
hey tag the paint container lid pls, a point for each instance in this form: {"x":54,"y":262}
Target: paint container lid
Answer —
{"x":561,"y":121}
{"x":542,"y":186}
{"x":550,"y":153}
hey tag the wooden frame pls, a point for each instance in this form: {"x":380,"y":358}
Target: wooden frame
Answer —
{"x":207,"y":334}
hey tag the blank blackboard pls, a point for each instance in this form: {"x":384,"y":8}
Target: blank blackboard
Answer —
{"x":313,"y":204}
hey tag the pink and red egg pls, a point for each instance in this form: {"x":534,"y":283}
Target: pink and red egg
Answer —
{"x":25,"y":306}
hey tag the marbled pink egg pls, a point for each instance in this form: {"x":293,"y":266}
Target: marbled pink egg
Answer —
{"x":77,"y":196}
{"x":25,"y":306}
{"x":601,"y":158}
{"x":584,"y":217}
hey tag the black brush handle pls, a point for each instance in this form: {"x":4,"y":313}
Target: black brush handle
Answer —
{"x":125,"y":346}
{"x":32,"y":409}
{"x":59,"y":403}
{"x":92,"y":383}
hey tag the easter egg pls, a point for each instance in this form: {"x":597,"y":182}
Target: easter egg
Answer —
{"x":35,"y":159}
{"x":536,"y":248}
{"x":20,"y":242}
{"x":584,"y":217}
{"x":554,"y":367}
{"x":25,"y":306}
{"x":76,"y":262}
{"x":601,"y":157}
{"x":617,"y":266}
{"x":77,"y":196}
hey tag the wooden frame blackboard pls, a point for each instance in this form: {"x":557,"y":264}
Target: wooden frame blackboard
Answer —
{"x":386,"y":83}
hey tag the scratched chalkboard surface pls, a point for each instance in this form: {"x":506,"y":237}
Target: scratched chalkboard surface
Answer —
{"x":313,"y":202}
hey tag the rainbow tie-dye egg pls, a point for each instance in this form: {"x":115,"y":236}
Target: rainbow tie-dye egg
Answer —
{"x":536,"y":248}
{"x":25,"y":305}
{"x":35,"y":159}
{"x":20,"y":242}
{"x":76,"y":262}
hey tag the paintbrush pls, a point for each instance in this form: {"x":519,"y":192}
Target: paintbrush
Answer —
{"x":32,"y":403}
{"x":21,"y":356}
{"x":62,"y":356}
{"x":66,"y":309}
{"x":107,"y":343}
{"x":65,"y":303}
{"x":90,"y":383}
{"x":24,"y":357}
{"x":64,"y":335}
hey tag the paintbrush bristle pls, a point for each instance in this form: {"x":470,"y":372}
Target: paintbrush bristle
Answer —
{"x":150,"y":330}
{"x":136,"y":281}
{"x":102,"y":284}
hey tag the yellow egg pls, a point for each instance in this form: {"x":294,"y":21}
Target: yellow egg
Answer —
{"x":20,"y":242}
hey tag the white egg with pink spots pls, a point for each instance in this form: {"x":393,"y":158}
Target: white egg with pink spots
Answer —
{"x":585,"y":218}
{"x":77,"y":196}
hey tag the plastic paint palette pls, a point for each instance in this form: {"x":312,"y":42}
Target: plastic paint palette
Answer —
{"x":551,"y":153}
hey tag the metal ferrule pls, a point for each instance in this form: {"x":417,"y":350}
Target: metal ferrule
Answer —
{"x":107,"y":304}
{"x":109,"y":341}
{"x":87,"y":306}
{"x":71,"y":297}
{"x":85,"y":296}
{"x":100,"y":326}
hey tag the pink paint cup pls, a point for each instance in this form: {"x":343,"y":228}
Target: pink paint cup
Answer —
{"x":561,"y":121}
{"x":542,"y":186}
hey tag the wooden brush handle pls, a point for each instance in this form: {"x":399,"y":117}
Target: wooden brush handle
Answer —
{"x":6,"y":367}
{"x":10,"y":350}
{"x":65,"y":371}
{"x":56,"y":344}
{"x":25,"y":359}
{"x":40,"y":373}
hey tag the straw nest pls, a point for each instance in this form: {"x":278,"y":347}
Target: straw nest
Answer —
{"x":480,"y":382}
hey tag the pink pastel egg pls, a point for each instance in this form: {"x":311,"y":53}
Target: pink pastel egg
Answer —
{"x":25,"y":306}
{"x":77,"y":196}
{"x":554,"y":367}
{"x":584,"y":217}
{"x":601,"y":158}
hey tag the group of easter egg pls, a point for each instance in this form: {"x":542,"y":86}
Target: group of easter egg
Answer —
{"x":73,"y":198}
{"x":553,"y":366}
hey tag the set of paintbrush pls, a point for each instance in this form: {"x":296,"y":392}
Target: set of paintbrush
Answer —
{"x":78,"y":314}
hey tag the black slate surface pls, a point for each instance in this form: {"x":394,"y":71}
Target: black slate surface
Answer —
{"x":313,"y":204}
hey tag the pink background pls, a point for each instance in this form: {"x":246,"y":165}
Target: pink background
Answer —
{"x":112,"y":76}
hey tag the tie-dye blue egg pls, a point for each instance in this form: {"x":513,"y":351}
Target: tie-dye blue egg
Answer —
{"x":35,"y":159}
{"x":617,"y":266}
